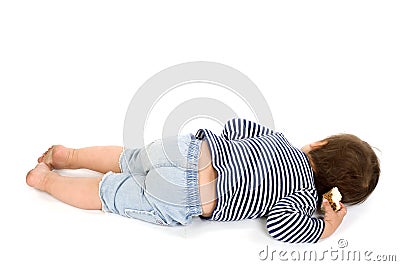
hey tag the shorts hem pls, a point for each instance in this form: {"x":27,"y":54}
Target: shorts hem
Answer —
{"x":120,"y":160}
{"x":104,"y":207}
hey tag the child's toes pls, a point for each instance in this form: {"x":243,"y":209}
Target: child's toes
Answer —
{"x":47,"y":157}
{"x":42,"y":158}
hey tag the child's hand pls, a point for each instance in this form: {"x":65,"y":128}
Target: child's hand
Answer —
{"x":332,"y":219}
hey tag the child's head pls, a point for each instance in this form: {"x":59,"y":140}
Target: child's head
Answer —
{"x":346,"y":162}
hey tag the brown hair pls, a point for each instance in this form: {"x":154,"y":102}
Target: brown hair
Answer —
{"x":348,"y":163}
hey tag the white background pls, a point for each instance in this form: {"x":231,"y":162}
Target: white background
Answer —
{"x":68,"y":70}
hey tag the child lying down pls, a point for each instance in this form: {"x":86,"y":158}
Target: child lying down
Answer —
{"x":247,"y":172}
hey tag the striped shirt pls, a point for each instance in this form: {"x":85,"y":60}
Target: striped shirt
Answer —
{"x":261,"y":174}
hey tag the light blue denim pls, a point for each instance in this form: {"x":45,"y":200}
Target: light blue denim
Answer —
{"x":158,"y":183}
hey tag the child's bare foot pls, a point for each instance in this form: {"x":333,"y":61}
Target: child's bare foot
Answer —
{"x":56,"y":157}
{"x":38,"y":176}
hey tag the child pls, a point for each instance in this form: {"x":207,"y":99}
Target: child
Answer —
{"x":249,"y":171}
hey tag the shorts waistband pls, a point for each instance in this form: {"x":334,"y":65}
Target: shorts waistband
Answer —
{"x":194,"y":202}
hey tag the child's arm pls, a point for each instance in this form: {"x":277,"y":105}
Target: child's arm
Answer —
{"x":332,"y":219}
{"x":290,"y":219}
{"x":238,"y":128}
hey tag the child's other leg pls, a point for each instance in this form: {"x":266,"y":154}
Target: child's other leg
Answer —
{"x":80,"y":192}
{"x":99,"y":158}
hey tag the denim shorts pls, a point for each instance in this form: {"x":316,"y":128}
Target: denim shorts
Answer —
{"x":158,"y":183}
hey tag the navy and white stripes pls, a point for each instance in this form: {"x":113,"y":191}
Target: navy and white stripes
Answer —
{"x":261,"y":174}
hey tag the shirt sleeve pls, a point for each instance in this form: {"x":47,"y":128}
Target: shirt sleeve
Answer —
{"x":290,"y":219}
{"x":238,"y":128}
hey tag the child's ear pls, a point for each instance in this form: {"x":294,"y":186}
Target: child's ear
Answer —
{"x":318,"y":144}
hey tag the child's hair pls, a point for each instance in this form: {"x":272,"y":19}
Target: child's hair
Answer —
{"x":348,"y":163}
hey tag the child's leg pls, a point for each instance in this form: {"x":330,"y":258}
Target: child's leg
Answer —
{"x":79,"y":192}
{"x":101,"y":159}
